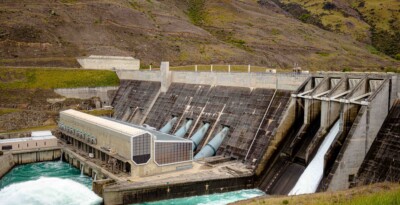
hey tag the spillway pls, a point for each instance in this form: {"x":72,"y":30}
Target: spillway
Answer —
{"x":312,"y":175}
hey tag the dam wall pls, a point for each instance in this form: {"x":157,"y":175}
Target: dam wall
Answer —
{"x":174,"y":190}
{"x":104,"y":93}
{"x":134,"y":99}
{"x":360,"y":138}
{"x":251,"y":114}
{"x":282,"y":81}
{"x":382,"y":162}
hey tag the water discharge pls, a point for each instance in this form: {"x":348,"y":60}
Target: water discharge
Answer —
{"x":48,"y":190}
{"x":312,"y":175}
{"x":46,"y":183}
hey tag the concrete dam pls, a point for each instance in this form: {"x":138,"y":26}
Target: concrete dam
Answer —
{"x":274,"y":124}
{"x":176,"y":134}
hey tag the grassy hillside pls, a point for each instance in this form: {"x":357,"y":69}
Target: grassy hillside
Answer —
{"x":377,"y":194}
{"x":47,"y":78}
{"x":256,"y":32}
{"x":375,"y":22}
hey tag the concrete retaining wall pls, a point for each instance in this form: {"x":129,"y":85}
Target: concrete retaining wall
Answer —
{"x":87,"y":93}
{"x":171,"y":191}
{"x":140,"y":75}
{"x":6,"y":163}
{"x":255,"y":80}
{"x":30,"y":156}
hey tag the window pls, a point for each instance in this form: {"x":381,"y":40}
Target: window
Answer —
{"x":141,"y":147}
{"x":173,"y":152}
{"x":6,"y":147}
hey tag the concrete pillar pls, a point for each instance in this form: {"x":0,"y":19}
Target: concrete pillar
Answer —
{"x":211,"y":68}
{"x":248,"y":68}
{"x":195,"y":68}
{"x":229,"y":68}
{"x":165,"y":76}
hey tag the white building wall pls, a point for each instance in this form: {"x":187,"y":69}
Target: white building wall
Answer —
{"x":109,"y":63}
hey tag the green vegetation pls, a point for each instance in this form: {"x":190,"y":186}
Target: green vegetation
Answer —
{"x":376,"y":194}
{"x":99,"y":112}
{"x":382,"y":198}
{"x":49,"y":78}
{"x":4,"y":111}
{"x":197,"y":12}
{"x":323,"y":54}
{"x":346,"y":69}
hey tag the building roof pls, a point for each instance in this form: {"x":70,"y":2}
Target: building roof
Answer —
{"x":111,"y":57}
{"x":25,"y":139}
{"x":41,"y":133}
{"x":158,"y":135}
{"x":105,"y":123}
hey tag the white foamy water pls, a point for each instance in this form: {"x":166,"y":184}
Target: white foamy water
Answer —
{"x":312,"y":175}
{"x":48,"y":191}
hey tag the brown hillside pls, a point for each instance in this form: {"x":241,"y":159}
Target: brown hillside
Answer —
{"x":53,"y":33}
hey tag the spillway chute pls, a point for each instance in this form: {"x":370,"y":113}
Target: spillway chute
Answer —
{"x":183,"y":130}
{"x":167,"y":127}
{"x":211,"y":148}
{"x":312,"y":175}
{"x":199,"y":135}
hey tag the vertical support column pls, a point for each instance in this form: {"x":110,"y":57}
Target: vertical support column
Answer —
{"x":165,"y":76}
{"x":211,"y":68}
{"x":248,"y":68}
{"x":195,"y":68}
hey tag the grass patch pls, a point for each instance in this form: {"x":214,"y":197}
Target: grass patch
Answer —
{"x":197,"y":12}
{"x":108,"y":113}
{"x":48,"y":78}
{"x":4,"y":111}
{"x":372,"y":50}
{"x":323,"y":54}
{"x":379,"y":194}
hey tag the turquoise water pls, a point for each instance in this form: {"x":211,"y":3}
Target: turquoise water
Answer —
{"x":34,"y":171}
{"x":212,"y":199}
{"x":49,"y":183}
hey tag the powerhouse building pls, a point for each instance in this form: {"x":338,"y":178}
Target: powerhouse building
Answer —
{"x":134,"y":149}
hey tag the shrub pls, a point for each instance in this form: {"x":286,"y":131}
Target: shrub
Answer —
{"x":329,"y":6}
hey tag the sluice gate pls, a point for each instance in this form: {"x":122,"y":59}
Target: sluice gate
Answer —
{"x":318,"y":104}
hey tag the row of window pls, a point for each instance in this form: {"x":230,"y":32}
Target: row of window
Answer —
{"x":81,"y":134}
{"x":173,"y":152}
{"x":9,"y":147}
